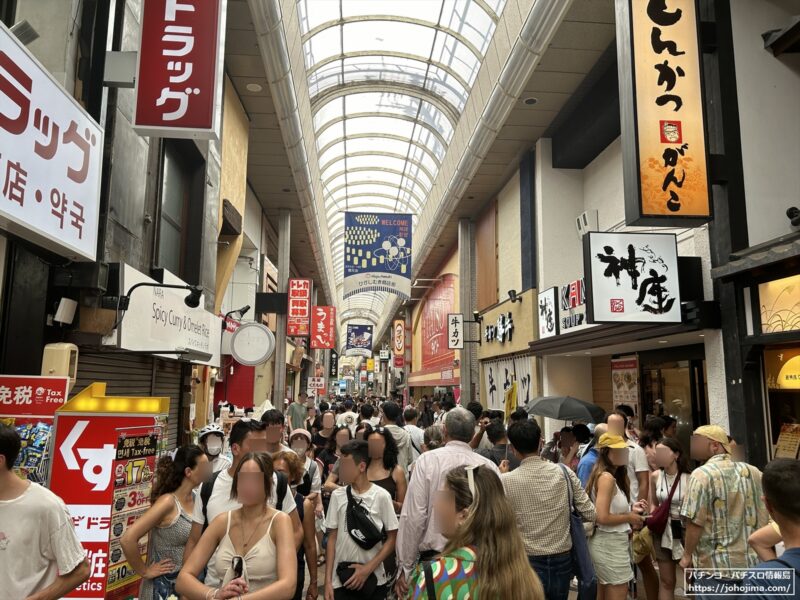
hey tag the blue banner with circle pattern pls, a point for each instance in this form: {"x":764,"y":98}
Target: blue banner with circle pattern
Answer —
{"x":377,"y":253}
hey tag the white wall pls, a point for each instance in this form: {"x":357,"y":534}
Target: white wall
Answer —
{"x":509,"y":273}
{"x":564,"y":376}
{"x":769,"y":116}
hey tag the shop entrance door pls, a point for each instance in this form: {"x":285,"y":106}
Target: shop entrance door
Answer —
{"x":677,"y":389}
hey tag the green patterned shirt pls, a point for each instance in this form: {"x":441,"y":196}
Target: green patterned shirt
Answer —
{"x":724,"y":498}
{"x":455,"y":577}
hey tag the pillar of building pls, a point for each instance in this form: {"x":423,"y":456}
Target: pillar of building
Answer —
{"x":466,"y":300}
{"x":284,"y":248}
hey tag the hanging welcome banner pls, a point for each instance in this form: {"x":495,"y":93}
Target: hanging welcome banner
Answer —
{"x":377,"y":253}
{"x":359,"y":340}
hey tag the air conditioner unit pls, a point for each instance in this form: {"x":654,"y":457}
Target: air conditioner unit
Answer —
{"x":586,"y":222}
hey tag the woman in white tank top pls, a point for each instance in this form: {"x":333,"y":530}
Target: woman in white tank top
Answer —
{"x":251,"y":549}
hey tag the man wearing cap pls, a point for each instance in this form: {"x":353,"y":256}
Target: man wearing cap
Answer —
{"x":722,"y":506}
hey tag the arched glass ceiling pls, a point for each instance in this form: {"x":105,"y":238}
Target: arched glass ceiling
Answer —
{"x":388,"y":80}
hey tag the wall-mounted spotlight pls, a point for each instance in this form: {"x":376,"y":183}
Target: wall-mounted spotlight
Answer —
{"x":794,"y":216}
{"x":476,"y":316}
{"x":512,"y":295}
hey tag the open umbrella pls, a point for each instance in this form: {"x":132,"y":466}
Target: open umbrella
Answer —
{"x":566,"y":408}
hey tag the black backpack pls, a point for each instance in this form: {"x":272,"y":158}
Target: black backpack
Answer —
{"x":360,"y":526}
{"x":208,"y":488}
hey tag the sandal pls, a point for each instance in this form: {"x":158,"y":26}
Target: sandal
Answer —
{"x":320,"y":560}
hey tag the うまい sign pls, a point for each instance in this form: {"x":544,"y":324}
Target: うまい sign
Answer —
{"x":665,"y":167}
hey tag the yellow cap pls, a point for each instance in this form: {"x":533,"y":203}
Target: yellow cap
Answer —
{"x":611,"y":440}
{"x":716,"y":434}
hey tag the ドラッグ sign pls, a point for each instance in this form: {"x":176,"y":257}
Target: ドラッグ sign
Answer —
{"x":51,"y":156}
{"x":179,"y":79}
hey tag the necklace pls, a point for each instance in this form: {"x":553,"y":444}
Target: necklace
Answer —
{"x":253,"y":532}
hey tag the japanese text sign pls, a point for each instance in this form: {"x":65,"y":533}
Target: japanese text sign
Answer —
{"x":632,"y":278}
{"x":377,"y":253}
{"x":333,"y":370}
{"x":399,"y":337}
{"x":663,"y":124}
{"x":298,"y":319}
{"x":323,"y":327}
{"x":23,"y":395}
{"x":455,"y":331}
{"x":179,"y":79}
{"x":51,"y":157}
{"x":548,"y":313}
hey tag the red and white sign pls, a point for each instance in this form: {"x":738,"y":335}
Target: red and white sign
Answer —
{"x":323,"y":327}
{"x":22,"y":395}
{"x":399,"y":336}
{"x":298,"y":319}
{"x":83,"y":474}
{"x":316,"y":383}
{"x":179,"y":79}
{"x":399,"y":361}
{"x":51,"y":156}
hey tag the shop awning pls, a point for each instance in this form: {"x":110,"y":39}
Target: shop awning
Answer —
{"x":696,"y":316}
{"x":783,"y":252}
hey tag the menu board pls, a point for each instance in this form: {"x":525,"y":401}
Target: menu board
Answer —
{"x":788,"y":441}
{"x":625,"y":382}
{"x":134,"y":467}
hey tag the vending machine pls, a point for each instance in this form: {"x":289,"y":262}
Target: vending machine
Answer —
{"x":104,"y":457}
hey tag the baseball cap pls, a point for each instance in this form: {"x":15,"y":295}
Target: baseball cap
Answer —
{"x":716,"y":434}
{"x":303,"y":432}
{"x":611,"y":440}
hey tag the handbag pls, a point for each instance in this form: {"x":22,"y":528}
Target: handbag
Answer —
{"x":344,"y":571}
{"x":658,"y":519}
{"x":582,"y":566}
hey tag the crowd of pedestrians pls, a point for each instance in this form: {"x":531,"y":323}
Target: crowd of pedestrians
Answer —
{"x":370,"y":501}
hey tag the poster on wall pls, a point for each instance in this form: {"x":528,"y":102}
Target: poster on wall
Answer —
{"x":782,"y":369}
{"x":500,"y":376}
{"x":438,"y":304}
{"x":548,"y":313}
{"x":788,"y":441}
{"x":625,"y":382}
{"x":377,"y":253}
{"x":359,"y":340}
{"x":780,"y":305}
{"x":632,"y":277}
{"x":662,"y":114}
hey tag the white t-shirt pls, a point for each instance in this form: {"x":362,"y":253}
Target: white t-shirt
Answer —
{"x":637,"y":462}
{"x":220,"y":502}
{"x":381,"y":510}
{"x":316,"y":478}
{"x":418,"y":437}
{"x":220,"y":463}
{"x":37,"y":542}
{"x":350,"y":419}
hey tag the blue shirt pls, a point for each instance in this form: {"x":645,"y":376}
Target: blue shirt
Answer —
{"x":586,"y":465}
{"x":790,"y":557}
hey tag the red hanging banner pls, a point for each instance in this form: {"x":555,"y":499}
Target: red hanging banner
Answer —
{"x":298,"y":320}
{"x":179,"y":79}
{"x":323,"y":327}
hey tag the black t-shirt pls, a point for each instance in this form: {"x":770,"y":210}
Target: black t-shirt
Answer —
{"x":319,"y":441}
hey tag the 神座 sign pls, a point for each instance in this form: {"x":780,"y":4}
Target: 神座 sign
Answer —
{"x":179,"y":78}
{"x":51,"y":157}
{"x":632,"y":278}
{"x":663,"y":125}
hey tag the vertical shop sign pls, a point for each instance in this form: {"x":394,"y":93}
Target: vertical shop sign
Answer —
{"x":439,"y":303}
{"x":662,"y":113}
{"x":323,"y":327}
{"x":134,"y":468}
{"x":333,"y":370}
{"x":632,"y":277}
{"x":455,"y":331}
{"x":548,"y":313}
{"x":359,"y":340}
{"x":51,"y":155}
{"x":377,"y":253}
{"x":179,"y":78}
{"x":298,"y":320}
{"x":399,"y":337}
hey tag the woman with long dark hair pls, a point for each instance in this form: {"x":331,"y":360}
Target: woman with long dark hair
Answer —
{"x":384,"y":470}
{"x":609,"y":489}
{"x":673,"y":470}
{"x":168,"y":521}
{"x":485,"y":555}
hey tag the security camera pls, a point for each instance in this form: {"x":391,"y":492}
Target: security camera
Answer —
{"x":512,"y":295}
{"x":794,"y":216}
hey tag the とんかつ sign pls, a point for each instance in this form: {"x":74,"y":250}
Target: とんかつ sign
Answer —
{"x":51,"y":155}
{"x":663,"y":124}
{"x":179,"y":78}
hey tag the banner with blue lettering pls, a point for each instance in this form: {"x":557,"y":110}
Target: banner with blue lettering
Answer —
{"x":377,"y":253}
{"x":359,"y":340}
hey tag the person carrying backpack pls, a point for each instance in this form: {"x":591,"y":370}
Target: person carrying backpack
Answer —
{"x":247,"y":435}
